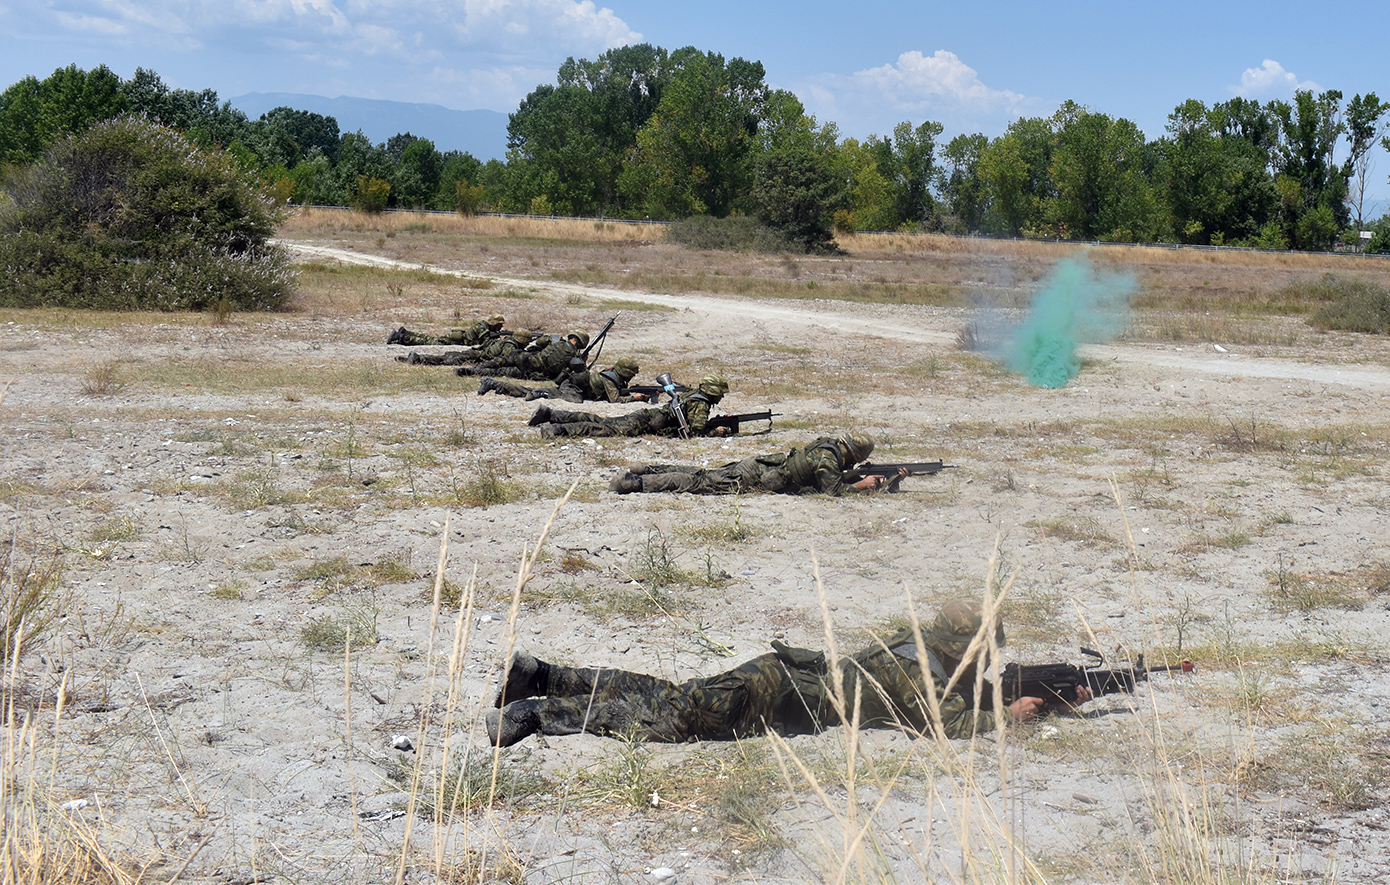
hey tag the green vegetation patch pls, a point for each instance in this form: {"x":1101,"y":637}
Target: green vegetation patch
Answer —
{"x":1350,"y":305}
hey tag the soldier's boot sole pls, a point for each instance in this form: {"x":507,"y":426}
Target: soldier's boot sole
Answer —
{"x":512,"y":723}
{"x":526,"y":678}
{"x":542,"y":416}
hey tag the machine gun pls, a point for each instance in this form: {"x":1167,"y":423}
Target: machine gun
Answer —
{"x":597,"y":341}
{"x":892,"y":473}
{"x":735,"y":422}
{"x":1056,"y":684}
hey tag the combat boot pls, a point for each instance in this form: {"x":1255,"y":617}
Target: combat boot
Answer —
{"x":551,"y":431}
{"x":626,"y":484}
{"x":514,"y":722}
{"x":527,"y":677}
{"x":542,"y":416}
{"x":487,"y":385}
{"x":399,"y":336}
{"x":464,"y":371}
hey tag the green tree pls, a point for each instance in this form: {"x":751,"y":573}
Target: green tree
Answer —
{"x":459,"y":166}
{"x":571,"y":140}
{"x":1014,"y":172}
{"x":359,"y":159}
{"x":961,"y":186}
{"x":197,"y":114}
{"x":1366,"y":123}
{"x":1097,"y":170}
{"x":800,"y":180}
{"x":416,"y":179}
{"x":35,"y":113}
{"x":1305,"y":172}
{"x":908,"y":163}
{"x":1216,"y":187}
{"x":869,"y":204}
{"x":130,"y":215}
{"x":695,"y":155}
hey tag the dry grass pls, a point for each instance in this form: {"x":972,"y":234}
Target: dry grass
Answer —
{"x":482,"y":226}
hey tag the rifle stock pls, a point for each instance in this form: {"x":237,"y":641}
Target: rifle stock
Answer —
{"x":597,"y":340}
{"x":892,"y":472}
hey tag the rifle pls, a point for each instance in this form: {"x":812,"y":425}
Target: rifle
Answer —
{"x":668,"y":385}
{"x":652,"y":390}
{"x":597,"y":340}
{"x":733,"y":422}
{"x":1056,"y":684}
{"x":891,"y":471}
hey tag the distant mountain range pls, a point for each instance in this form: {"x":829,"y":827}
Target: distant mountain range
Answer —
{"x":481,"y":133}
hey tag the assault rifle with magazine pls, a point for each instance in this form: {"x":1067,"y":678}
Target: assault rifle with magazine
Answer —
{"x":1056,"y":684}
{"x":893,"y":473}
{"x":735,"y":422}
{"x":652,"y":391}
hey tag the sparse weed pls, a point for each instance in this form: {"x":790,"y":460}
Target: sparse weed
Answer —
{"x":115,"y":530}
{"x":103,"y":379}
{"x":329,"y":633}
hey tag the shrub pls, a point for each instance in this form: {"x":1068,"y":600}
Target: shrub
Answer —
{"x":733,"y":234}
{"x":129,"y":216}
{"x":1352,"y":305}
{"x":371,"y":193}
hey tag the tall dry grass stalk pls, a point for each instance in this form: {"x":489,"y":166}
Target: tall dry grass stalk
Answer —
{"x":585,"y":230}
{"x":1139,"y":254}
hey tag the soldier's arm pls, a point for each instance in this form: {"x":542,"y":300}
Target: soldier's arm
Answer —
{"x":696,"y":416}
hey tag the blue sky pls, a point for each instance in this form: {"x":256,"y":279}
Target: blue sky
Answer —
{"x":866,"y":65}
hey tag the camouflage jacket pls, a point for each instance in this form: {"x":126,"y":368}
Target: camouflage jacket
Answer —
{"x":696,"y":407}
{"x":817,"y":467}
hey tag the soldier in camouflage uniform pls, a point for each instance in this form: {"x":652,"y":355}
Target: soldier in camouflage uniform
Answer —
{"x":548,"y":364}
{"x":818,"y":467}
{"x":497,"y":348}
{"x":659,"y":421}
{"x":481,"y":331}
{"x":789,"y":691}
{"x":606,"y":386}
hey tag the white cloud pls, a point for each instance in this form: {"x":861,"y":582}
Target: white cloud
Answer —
{"x":1270,"y":80}
{"x":917,"y":87}
{"x":384,"y":41}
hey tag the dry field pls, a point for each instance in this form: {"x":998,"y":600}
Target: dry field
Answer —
{"x":252,"y":554}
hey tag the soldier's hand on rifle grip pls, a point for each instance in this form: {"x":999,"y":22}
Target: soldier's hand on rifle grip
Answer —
{"x":1025,"y":709}
{"x":640,"y":397}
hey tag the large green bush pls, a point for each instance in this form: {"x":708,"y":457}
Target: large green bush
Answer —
{"x":737,"y":233}
{"x":129,"y":216}
{"x":1349,"y":304}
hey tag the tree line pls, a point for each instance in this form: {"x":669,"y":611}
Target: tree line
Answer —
{"x":641,"y":132}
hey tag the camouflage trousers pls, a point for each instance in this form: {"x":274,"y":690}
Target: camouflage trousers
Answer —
{"x":567,"y":392}
{"x":731,"y":479}
{"x":451,"y":358}
{"x":643,"y":422}
{"x":761,"y":695}
{"x":523,"y":372}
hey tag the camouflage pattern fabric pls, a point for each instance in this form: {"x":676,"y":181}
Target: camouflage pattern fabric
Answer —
{"x":817,"y":467}
{"x":788,"y":691}
{"x":545,"y":365}
{"x":657,"y":421}
{"x":496,"y":349}
{"x":578,"y":387}
{"x":473,"y":335}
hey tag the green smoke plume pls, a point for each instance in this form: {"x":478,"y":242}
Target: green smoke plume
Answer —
{"x":1077,"y":305}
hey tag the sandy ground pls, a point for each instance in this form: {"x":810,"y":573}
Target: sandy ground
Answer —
{"x":202,"y":730}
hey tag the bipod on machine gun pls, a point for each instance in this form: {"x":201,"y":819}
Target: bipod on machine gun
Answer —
{"x":668,"y":386}
{"x":735,"y":422}
{"x":597,"y":341}
{"x":892,"y":473}
{"x":1056,"y":684}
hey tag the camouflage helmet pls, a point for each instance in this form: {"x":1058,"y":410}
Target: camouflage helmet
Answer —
{"x":496,"y":321}
{"x":581,"y":336}
{"x":714,"y":385}
{"x":955,"y":625}
{"x":522,"y":337}
{"x":626,"y":368}
{"x":858,"y":445}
